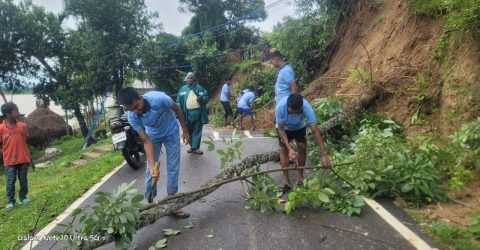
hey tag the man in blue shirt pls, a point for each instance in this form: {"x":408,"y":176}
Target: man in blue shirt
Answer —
{"x":225,"y":96}
{"x":154,"y":117}
{"x":285,"y":83}
{"x":245,"y":107}
{"x":293,"y":115}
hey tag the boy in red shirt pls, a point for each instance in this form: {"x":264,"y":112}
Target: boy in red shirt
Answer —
{"x":16,"y":156}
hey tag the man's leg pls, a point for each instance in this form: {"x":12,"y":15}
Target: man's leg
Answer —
{"x":148,"y":178}
{"x":230,"y":113}
{"x":172,"y":149}
{"x":241,"y":120}
{"x":284,"y":163}
{"x":11,"y":173}
{"x":190,"y":126}
{"x":252,"y":118}
{"x":22,"y":178}
{"x":196,"y":136}
{"x":302,"y":156}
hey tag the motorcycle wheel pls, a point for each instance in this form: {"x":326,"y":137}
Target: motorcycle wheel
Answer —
{"x":132,"y":157}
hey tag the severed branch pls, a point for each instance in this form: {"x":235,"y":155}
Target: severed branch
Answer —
{"x":165,"y":207}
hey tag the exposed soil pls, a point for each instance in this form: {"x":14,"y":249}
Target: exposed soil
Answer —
{"x":393,"y":44}
{"x":453,"y":212}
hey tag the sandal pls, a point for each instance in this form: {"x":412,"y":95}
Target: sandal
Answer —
{"x":180,"y":214}
{"x":197,"y":152}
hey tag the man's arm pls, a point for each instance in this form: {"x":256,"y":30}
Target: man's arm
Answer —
{"x":148,"y":146}
{"x":183,"y":124}
{"x":294,"y":87}
{"x":321,"y":145}
{"x":283,"y":136}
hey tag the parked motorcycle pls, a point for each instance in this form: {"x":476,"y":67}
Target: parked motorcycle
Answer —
{"x":126,"y":139}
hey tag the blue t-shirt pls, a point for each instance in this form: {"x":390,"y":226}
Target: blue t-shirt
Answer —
{"x":160,"y":120}
{"x":294,"y":121}
{"x":285,"y":77}
{"x":246,"y":100}
{"x":225,"y":93}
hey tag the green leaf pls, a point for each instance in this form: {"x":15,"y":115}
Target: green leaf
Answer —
{"x":161,"y":243}
{"x":170,"y":232}
{"x":323,"y":197}
{"x":211,"y":145}
{"x":188,"y":226}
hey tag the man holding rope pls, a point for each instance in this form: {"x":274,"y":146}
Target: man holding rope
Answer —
{"x":292,"y":116}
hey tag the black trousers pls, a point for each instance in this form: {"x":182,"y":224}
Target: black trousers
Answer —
{"x":228,"y":109}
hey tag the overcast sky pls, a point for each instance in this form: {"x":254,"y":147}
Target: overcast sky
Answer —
{"x":174,"y":21}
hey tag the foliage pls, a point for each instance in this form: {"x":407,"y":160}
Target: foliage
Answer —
{"x":304,"y":41}
{"x":462,"y":155}
{"x":208,"y":62}
{"x":15,"y":62}
{"x":158,"y":55}
{"x":475,"y":226}
{"x":232,"y":151}
{"x":114,"y":214}
{"x":461,"y":16}
{"x":59,"y":184}
{"x":225,"y":20}
{"x":322,"y":189}
{"x":386,"y":165}
{"x":326,"y":108}
{"x":118,"y":29}
{"x":259,"y":77}
{"x":262,"y":194}
{"x":453,"y":235}
{"x":361,"y":75}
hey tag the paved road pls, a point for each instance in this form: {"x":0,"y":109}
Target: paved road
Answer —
{"x":222,"y":215}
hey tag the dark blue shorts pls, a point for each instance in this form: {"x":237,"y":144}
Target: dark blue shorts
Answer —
{"x":245,"y":111}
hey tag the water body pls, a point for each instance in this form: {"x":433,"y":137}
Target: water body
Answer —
{"x":27,"y":104}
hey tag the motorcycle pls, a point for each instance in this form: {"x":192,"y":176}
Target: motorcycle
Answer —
{"x":126,"y":139}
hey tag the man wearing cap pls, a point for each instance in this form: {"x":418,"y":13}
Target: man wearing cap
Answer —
{"x":192,"y":99}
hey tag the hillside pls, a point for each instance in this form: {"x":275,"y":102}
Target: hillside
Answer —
{"x":425,"y":90}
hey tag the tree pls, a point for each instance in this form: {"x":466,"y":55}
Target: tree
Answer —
{"x":223,"y":17}
{"x":118,"y":28}
{"x":15,"y":65}
{"x":208,"y":62}
{"x":159,"y":57}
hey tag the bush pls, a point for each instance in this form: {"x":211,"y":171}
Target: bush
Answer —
{"x":460,"y":15}
{"x":304,"y":41}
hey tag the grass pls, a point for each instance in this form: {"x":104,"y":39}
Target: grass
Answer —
{"x":448,"y":235}
{"x":52,"y":188}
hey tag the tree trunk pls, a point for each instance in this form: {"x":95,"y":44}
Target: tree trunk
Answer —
{"x":165,"y":207}
{"x":81,"y":120}
{"x":2,"y":94}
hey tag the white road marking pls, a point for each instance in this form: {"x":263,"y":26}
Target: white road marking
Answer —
{"x":46,"y":230}
{"x":408,"y":234}
{"x":247,"y":133}
{"x":216,"y":135}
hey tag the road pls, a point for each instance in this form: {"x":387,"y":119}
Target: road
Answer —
{"x":220,"y":221}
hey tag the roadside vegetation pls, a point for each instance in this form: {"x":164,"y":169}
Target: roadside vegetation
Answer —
{"x":53,"y":189}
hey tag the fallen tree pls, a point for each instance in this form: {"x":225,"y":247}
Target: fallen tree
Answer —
{"x":151,"y":213}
